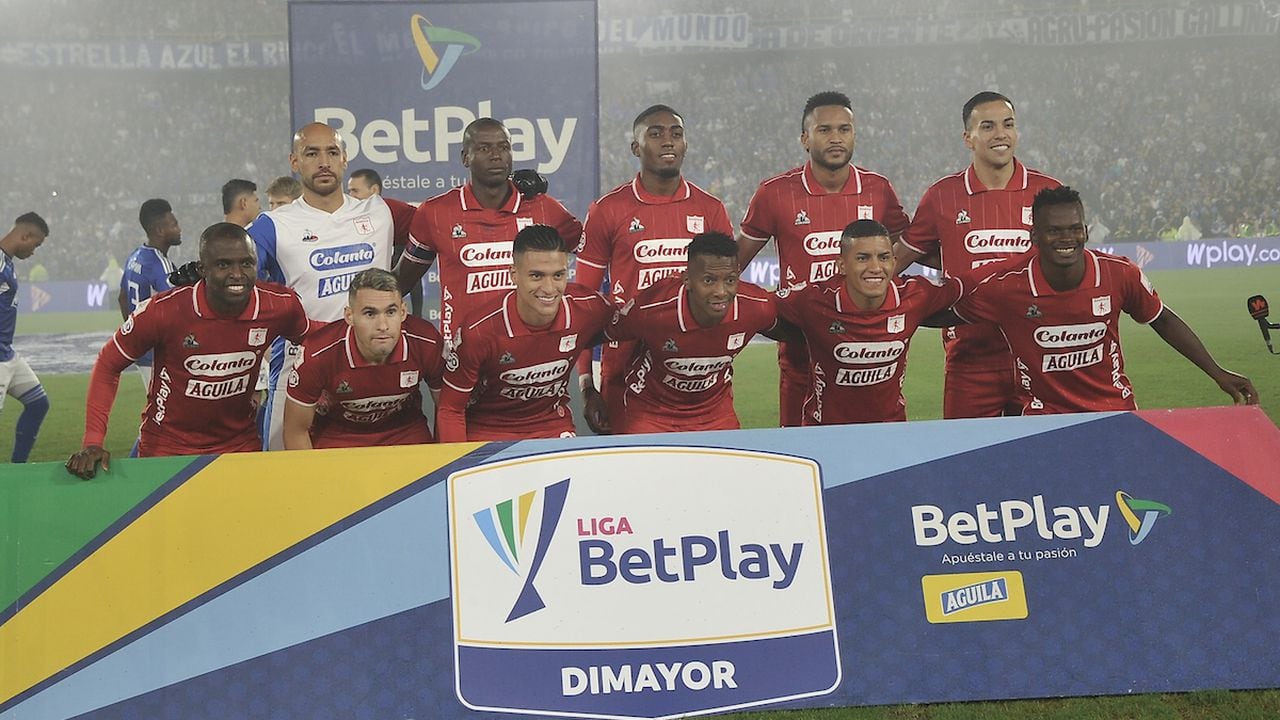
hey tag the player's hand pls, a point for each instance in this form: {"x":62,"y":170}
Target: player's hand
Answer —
{"x":594,"y":410}
{"x":529,"y":183}
{"x":1239,"y":387}
{"x":185,"y":274}
{"x":84,"y":464}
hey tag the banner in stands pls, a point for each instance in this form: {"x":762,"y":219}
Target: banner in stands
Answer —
{"x":401,"y":81}
{"x":651,"y":576}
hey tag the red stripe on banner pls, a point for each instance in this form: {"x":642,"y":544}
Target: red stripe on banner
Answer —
{"x":1244,"y":442}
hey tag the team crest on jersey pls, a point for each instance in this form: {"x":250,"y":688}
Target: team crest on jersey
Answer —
{"x":506,"y":359}
{"x":257,"y":336}
{"x":866,"y":212}
{"x":836,"y":327}
{"x":1026,"y":214}
{"x":802,"y":218}
{"x":635,"y":225}
{"x":309,"y":237}
{"x":962,"y":217}
{"x":344,"y":388}
{"x":1033,"y":312}
{"x":670,"y":346}
{"x":190,"y":341}
{"x":522,"y":223}
{"x":736,"y":341}
{"x":897,"y":323}
{"x":694,"y":223}
{"x":1102,"y":306}
{"x":568,"y":342}
{"x":364,"y":225}
{"x":458,"y":232}
{"x":409,"y":378}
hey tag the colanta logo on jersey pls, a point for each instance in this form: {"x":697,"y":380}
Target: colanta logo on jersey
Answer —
{"x":712,"y":593}
{"x":341,"y":257}
{"x":439,"y":48}
{"x":997,"y":241}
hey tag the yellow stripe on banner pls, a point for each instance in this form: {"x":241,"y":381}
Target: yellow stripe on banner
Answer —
{"x":237,"y":512}
{"x":526,"y":502}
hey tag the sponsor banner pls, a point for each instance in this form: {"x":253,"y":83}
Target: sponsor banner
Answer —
{"x":134,"y":55}
{"x":63,"y":296}
{"x":427,"y":70}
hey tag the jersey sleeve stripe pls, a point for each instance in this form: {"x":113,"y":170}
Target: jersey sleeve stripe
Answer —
{"x":459,"y":389}
{"x":119,"y":349}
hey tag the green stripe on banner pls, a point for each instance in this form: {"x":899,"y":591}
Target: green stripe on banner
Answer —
{"x":50,"y":515}
{"x":508,"y":527}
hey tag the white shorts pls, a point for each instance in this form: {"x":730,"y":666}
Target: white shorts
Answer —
{"x":16,"y":378}
{"x":271,"y":423}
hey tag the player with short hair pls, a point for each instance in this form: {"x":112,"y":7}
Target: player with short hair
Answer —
{"x":507,"y":377}
{"x":469,"y":228}
{"x":687,"y":330}
{"x":977,"y":216}
{"x":240,"y":203}
{"x":1059,"y":309}
{"x":317,"y":244}
{"x":282,"y":191}
{"x":638,"y":232}
{"x":16,"y":376}
{"x":146,"y":270}
{"x":356,"y":382}
{"x":804,"y":211}
{"x":209,"y":339}
{"x":858,"y":326}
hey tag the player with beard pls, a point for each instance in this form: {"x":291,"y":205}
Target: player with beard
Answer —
{"x":1059,"y":310}
{"x":804,"y":211}
{"x":638,"y":232}
{"x":858,"y":327}
{"x":208,"y":339}
{"x":508,"y":375}
{"x":687,"y":330}
{"x":978,"y":216}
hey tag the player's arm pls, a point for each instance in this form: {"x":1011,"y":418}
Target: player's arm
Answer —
{"x":1182,"y":338}
{"x":401,"y":220}
{"x":263,"y":233}
{"x":297,"y":425}
{"x":418,"y":251}
{"x":451,"y":415}
{"x":122,"y":300}
{"x":104,"y":382}
{"x":904,"y":256}
{"x":748,"y":248}
{"x":590,"y":276}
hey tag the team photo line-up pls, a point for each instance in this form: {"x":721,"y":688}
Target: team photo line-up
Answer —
{"x":291,"y":330}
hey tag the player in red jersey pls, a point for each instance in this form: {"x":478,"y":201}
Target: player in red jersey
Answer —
{"x":470,"y":227}
{"x":977,"y":216}
{"x":1059,"y":309}
{"x":858,"y":327}
{"x":804,"y":210}
{"x":688,"y":329}
{"x":209,"y":339}
{"x":638,"y":232}
{"x":356,"y":381}
{"x":507,"y":377}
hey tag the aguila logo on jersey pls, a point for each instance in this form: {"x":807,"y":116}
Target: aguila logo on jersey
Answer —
{"x":439,"y":48}
{"x":635,"y":225}
{"x":190,"y":341}
{"x":802,"y":218}
{"x":458,"y":232}
{"x":670,"y":346}
{"x":962,"y":217}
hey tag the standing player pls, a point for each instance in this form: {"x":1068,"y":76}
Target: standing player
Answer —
{"x":209,"y":339}
{"x":638,"y":232}
{"x":363,"y":183}
{"x":282,"y":191}
{"x":978,"y":216}
{"x":356,"y":382}
{"x":687,"y":330}
{"x":508,"y":375}
{"x":804,"y":210}
{"x":240,"y":204}
{"x":146,"y":271}
{"x":316,"y":244}
{"x":470,"y":227}
{"x":858,"y":326}
{"x":1059,"y":309}
{"x":16,"y":377}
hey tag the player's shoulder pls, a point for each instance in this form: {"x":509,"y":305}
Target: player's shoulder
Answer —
{"x":955,"y":179}
{"x":421,"y":330}
{"x":871,"y":177}
{"x":323,"y":339}
{"x":698,"y":194}
{"x":783,"y":180}
{"x":582,"y":294}
{"x":1107,"y":259}
{"x":754,"y":293}
{"x":1038,"y":180}
{"x":275,"y":294}
{"x":449,"y":199}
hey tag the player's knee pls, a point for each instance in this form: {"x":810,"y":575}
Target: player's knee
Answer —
{"x":35,"y":403}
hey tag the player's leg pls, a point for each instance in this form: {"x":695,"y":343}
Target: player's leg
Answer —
{"x":145,"y":372}
{"x":281,"y":358}
{"x":17,"y":379}
{"x":615,"y":358}
{"x":976,"y":394}
{"x":793,"y":383}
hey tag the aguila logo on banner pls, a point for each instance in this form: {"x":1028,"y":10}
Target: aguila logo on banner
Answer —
{"x":628,"y":583}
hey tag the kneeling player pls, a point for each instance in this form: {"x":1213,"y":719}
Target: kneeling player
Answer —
{"x":356,"y":382}
{"x":689,"y":328}
{"x":858,"y":326}
{"x":508,"y":375}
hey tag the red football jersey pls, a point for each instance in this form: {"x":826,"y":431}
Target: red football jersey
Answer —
{"x":473,"y":244}
{"x":971,"y":225}
{"x":202,"y":398}
{"x":1066,"y":345}
{"x":682,"y":371}
{"x":359,"y":404}
{"x":806,"y":221}
{"x":858,"y":358}
{"x":510,"y":380}
{"x":641,"y":238}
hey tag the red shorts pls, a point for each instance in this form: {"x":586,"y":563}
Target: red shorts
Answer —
{"x":614,"y":363}
{"x":980,"y":394}
{"x":793,"y":383}
{"x":646,"y":422}
{"x":151,"y":446}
